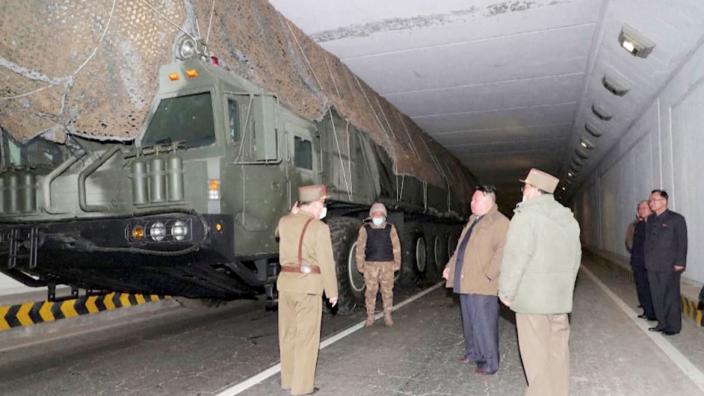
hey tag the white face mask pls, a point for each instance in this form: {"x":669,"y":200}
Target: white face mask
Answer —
{"x":378,"y":221}
{"x":324,"y":212}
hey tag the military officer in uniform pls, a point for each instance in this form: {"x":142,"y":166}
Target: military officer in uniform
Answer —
{"x":307,"y":270}
{"x":378,"y":255}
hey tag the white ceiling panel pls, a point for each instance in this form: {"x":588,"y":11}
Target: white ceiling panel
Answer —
{"x":469,"y":63}
{"x":558,"y":89}
{"x":499,"y":118}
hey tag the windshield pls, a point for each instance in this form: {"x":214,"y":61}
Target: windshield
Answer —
{"x":187,"y":119}
{"x":38,"y":153}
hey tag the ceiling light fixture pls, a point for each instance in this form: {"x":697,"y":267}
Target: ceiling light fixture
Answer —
{"x":581,"y":153}
{"x":614,"y":86}
{"x":592,"y":130}
{"x":601,"y":112}
{"x":634,"y":42}
{"x":584,"y":142}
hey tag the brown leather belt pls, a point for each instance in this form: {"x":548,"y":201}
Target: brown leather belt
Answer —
{"x":304,"y":269}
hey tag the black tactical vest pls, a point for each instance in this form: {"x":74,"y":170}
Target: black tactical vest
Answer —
{"x":379,"y":247}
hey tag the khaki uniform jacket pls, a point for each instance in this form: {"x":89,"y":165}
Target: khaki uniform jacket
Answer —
{"x":482,"y":258}
{"x":317,"y":250}
{"x":541,"y":258}
{"x":360,"y":255}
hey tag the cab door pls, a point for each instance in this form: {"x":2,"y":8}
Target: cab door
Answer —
{"x":304,"y":157}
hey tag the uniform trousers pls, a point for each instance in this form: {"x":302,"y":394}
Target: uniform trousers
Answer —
{"x":299,"y":339}
{"x":480,"y":323}
{"x":379,"y":275}
{"x":665,"y":289}
{"x":640,"y":275}
{"x":543,"y":342}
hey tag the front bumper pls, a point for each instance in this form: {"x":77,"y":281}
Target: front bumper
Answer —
{"x":100,"y":254}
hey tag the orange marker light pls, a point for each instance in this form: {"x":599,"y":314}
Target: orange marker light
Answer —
{"x":214,"y":189}
{"x":191,"y":73}
{"x":137,"y":232}
{"x":173,"y":76}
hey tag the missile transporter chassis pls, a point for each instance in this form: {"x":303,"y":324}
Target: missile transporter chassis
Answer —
{"x":190,"y":208}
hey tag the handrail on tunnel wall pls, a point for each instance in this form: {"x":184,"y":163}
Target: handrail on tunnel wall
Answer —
{"x":82,"y":181}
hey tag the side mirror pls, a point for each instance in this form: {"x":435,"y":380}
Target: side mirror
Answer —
{"x":265,"y":128}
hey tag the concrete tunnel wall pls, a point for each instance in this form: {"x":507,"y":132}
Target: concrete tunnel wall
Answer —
{"x":664,"y":148}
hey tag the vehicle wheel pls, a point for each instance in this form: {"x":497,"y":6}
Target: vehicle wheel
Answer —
{"x":350,"y":283}
{"x":440,"y":252}
{"x":433,"y":261}
{"x":415,"y":255}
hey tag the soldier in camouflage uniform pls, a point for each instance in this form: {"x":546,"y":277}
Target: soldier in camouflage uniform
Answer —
{"x":378,"y":256}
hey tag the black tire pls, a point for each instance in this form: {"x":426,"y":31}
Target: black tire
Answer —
{"x":440,"y":252}
{"x":343,"y":232}
{"x":431,"y":233}
{"x":412,"y":266}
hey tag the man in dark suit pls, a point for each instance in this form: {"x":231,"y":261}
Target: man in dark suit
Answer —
{"x":665,"y":259}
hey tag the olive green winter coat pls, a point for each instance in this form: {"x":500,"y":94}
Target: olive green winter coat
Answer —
{"x":541,"y":258}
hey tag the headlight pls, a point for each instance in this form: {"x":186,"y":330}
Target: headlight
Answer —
{"x":157,"y":231}
{"x":186,"y":48}
{"x":179,"y":230}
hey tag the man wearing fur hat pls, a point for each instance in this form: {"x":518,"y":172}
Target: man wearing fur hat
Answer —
{"x":307,"y":270}
{"x":378,"y":256}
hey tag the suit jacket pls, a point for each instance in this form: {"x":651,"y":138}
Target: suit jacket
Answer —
{"x":665,"y":242}
{"x":316,"y":249}
{"x":482,"y":258}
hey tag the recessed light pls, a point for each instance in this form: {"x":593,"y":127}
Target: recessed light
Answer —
{"x":592,"y":130}
{"x":581,"y":153}
{"x":614,"y":86}
{"x":584,"y":142}
{"x":601,"y":112}
{"x":635,"y":42}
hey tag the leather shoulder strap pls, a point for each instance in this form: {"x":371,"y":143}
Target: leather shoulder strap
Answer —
{"x":300,"y":242}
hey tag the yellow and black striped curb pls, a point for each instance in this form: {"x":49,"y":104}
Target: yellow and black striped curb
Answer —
{"x":689,"y":308}
{"x":29,"y":313}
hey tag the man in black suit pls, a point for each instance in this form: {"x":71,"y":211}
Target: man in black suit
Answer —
{"x":665,"y":259}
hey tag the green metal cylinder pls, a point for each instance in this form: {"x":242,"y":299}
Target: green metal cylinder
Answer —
{"x":157,"y":177}
{"x":3,"y":193}
{"x":175,"y":179}
{"x":139,"y":183}
{"x":12,"y":192}
{"x":27,"y":193}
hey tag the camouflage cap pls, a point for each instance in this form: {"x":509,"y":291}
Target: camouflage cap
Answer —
{"x":542,"y":180}
{"x":312,"y":193}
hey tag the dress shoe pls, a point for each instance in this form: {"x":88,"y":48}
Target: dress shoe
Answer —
{"x":655,"y":328}
{"x":315,"y":390}
{"x":482,"y":371}
{"x":670,"y":333}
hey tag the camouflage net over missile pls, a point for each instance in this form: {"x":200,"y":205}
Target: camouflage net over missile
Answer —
{"x":90,"y":67}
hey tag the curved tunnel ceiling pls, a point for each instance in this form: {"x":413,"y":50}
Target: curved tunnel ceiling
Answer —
{"x":509,"y":85}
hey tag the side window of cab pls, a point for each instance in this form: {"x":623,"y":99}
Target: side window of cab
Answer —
{"x":233,"y":120}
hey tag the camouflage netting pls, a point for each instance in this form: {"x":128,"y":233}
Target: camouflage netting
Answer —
{"x":89,"y":68}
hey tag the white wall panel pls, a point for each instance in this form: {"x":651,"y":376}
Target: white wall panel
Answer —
{"x":687,"y":139}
